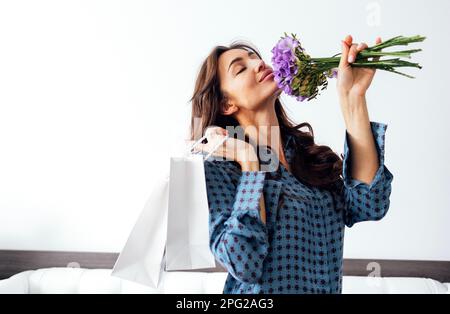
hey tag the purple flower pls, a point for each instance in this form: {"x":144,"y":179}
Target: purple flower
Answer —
{"x":333,"y":73}
{"x":287,"y":89}
{"x":284,"y":62}
{"x":301,"y":98}
{"x":295,"y":70}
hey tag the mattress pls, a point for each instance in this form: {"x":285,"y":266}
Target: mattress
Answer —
{"x":80,"y":281}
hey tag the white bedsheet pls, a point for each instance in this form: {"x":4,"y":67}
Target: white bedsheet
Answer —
{"x":79,"y":280}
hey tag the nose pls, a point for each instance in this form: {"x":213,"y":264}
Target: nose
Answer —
{"x":261,"y":66}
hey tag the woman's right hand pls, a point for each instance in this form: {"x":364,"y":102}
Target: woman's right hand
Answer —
{"x":232,"y":149}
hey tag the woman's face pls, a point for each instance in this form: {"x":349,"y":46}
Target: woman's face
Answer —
{"x":243,"y":77}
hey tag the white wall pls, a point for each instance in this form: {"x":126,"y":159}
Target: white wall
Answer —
{"x":94,"y":98}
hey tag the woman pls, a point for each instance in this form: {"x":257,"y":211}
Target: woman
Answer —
{"x":281,"y":230}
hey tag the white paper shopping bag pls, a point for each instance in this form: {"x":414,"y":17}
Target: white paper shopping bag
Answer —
{"x":187,"y":245}
{"x":188,"y":216}
{"x":182,"y":231}
{"x":141,"y":259}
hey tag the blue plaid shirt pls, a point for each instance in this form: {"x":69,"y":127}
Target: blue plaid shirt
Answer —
{"x":300,"y":248}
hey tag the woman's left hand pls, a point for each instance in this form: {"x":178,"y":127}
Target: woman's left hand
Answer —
{"x":353,"y":81}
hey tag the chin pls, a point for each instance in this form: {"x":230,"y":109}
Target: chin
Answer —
{"x":277,"y":91}
{"x":271,"y":93}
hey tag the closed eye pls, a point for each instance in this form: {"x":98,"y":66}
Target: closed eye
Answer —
{"x":243,"y":69}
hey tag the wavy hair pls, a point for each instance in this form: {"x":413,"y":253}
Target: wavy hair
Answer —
{"x":313,"y":165}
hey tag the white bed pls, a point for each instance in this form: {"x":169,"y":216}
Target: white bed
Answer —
{"x":82,"y":280}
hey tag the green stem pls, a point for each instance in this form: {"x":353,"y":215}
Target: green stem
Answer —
{"x":398,"y":40}
{"x":322,"y":65}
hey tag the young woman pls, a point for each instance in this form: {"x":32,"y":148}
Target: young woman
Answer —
{"x":282,"y":230}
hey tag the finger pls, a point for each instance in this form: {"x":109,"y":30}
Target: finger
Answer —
{"x":344,"y":55}
{"x":361,"y":47}
{"x":215,"y":137}
{"x":210,"y":130}
{"x":220,"y":131}
{"x":214,"y":130}
{"x":208,"y":148}
{"x":198,"y":148}
{"x":377,"y":41}
{"x":348,"y":39}
{"x":217,"y":153}
{"x":352,"y":53}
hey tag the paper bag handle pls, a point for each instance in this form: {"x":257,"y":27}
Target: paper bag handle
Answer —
{"x":215,"y":147}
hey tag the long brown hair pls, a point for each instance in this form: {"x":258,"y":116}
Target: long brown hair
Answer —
{"x":313,"y":165}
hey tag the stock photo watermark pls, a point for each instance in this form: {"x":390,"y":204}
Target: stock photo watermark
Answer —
{"x":373,"y":279}
{"x":236,"y":143}
{"x":373,"y":18}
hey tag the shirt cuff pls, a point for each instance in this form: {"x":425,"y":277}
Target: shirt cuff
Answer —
{"x":378,"y":131}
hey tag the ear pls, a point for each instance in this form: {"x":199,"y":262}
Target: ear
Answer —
{"x":228,"y":109}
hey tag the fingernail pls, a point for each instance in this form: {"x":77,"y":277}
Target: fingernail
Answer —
{"x":351,"y":59}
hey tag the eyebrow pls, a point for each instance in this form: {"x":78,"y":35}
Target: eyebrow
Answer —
{"x":239,"y":59}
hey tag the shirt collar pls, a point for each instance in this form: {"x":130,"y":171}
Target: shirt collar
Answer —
{"x":289,"y":147}
{"x":289,"y":138}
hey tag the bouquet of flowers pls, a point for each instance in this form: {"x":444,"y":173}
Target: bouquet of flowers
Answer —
{"x":301,"y":76}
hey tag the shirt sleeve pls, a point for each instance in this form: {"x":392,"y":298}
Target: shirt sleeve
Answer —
{"x":362,"y":201}
{"x":238,"y":237}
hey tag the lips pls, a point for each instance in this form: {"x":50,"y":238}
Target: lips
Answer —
{"x":265,"y":74}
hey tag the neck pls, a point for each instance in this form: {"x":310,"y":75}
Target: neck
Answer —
{"x":262,"y":127}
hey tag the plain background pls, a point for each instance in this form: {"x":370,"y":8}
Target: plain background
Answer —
{"x":94,"y":99}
